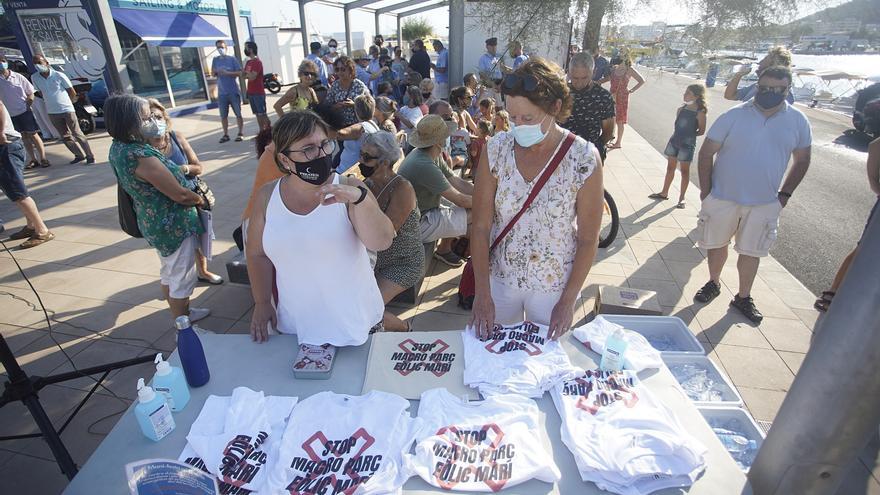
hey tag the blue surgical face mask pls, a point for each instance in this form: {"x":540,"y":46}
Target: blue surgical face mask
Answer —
{"x":43,"y":68}
{"x":528,"y":135}
{"x":161,"y":126}
{"x":150,"y":128}
{"x":4,"y":65}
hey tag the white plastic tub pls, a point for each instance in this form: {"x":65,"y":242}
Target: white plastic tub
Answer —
{"x":670,"y":330}
{"x":728,"y":394}
{"x":734,"y":419}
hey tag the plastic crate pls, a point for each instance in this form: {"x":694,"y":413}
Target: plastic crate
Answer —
{"x":719,"y":416}
{"x":662,"y":327}
{"x":729,"y":395}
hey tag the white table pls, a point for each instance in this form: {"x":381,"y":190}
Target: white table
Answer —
{"x":235,"y":361}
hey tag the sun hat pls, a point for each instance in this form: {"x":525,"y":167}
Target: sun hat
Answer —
{"x":430,"y":130}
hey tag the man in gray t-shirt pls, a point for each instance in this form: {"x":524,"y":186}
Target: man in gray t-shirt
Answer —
{"x":742,"y":165}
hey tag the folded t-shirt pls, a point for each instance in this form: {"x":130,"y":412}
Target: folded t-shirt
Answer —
{"x":640,"y":355}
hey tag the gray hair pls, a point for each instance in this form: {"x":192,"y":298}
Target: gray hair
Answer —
{"x":386,"y":144}
{"x":364,"y":105}
{"x":582,"y":59}
{"x":122,"y":117}
{"x":386,"y":105}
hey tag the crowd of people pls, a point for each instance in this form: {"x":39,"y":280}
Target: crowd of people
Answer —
{"x":374,"y":158}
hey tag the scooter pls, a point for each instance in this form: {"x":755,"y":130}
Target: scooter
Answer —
{"x":272,"y":83}
{"x":86,"y":113}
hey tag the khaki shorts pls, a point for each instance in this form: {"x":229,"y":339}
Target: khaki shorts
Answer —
{"x":178,"y":270}
{"x":443,"y":222}
{"x":755,"y":227}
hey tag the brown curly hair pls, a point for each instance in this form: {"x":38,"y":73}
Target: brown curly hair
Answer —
{"x":552,"y":87}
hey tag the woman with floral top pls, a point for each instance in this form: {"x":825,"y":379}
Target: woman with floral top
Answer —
{"x":344,"y":90}
{"x":165,"y":207}
{"x":538,"y":270}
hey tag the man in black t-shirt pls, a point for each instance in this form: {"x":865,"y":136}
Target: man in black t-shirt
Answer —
{"x":592,"y":115}
{"x":420,"y":61}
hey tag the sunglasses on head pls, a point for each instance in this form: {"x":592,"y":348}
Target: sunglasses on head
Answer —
{"x":526,"y":82}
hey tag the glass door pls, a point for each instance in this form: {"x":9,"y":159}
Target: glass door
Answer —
{"x":184,"y":74}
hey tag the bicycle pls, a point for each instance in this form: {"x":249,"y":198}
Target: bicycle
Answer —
{"x":610,"y":221}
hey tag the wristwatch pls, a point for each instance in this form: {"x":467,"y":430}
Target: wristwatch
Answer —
{"x":363,"y":195}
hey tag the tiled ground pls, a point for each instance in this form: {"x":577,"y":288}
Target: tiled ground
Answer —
{"x":100,"y":288}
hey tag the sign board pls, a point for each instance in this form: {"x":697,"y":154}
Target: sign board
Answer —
{"x":408,"y":363}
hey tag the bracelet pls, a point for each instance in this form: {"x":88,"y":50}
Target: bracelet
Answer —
{"x":783,"y":193}
{"x":185,"y":169}
{"x":363,"y":195}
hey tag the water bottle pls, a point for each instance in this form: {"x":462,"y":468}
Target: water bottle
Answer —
{"x":734,"y":443}
{"x":615,"y":350}
{"x":192,"y":356}
{"x":153,"y":413}
{"x":170,"y":382}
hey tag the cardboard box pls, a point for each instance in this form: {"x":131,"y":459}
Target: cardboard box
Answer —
{"x":625,"y":301}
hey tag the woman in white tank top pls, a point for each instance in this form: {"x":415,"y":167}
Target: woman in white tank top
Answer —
{"x":311,"y":229}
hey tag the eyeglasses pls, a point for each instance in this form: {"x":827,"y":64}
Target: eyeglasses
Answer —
{"x":327,"y":147}
{"x":365,"y":157}
{"x":308,"y":74}
{"x":331,"y":46}
{"x":527,"y":82}
{"x":771,"y":89}
{"x":448,"y":118}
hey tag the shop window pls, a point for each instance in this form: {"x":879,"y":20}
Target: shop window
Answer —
{"x":185,"y":74}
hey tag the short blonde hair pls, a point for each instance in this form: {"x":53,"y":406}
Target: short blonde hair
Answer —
{"x":154,"y":103}
{"x":426,"y":85}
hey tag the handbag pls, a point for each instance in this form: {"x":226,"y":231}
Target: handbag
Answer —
{"x":201,"y":188}
{"x":467,"y":286}
{"x":125,"y":209}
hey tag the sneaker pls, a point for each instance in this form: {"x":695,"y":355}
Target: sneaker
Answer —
{"x":746,"y":306}
{"x":708,"y":292}
{"x":77,"y":159}
{"x":2,"y":228}
{"x":90,"y":160}
{"x":201,"y":331}
{"x":449,"y":258}
{"x":35,"y":240}
{"x":196,"y":314}
{"x":24,"y":233}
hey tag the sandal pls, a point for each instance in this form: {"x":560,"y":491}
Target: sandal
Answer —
{"x":824,"y":301}
{"x":45,"y":164}
{"x":32,"y":164}
{"x":35,"y":240}
{"x":680,"y":205}
{"x":658,"y":196}
{"x":239,"y":138}
{"x":224,"y":138}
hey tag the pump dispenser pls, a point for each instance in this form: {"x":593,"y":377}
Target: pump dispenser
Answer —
{"x":170,"y":382}
{"x":152,"y":413}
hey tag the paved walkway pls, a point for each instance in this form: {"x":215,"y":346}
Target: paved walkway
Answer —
{"x":101,"y":290}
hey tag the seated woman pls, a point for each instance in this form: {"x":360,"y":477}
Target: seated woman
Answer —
{"x":176,"y":148}
{"x":364,"y":108}
{"x":385,"y":110}
{"x":400,"y":266}
{"x":165,"y":207}
{"x":312,"y":229}
{"x":300,"y":96}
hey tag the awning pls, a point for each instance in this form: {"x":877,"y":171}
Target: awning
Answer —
{"x":183,"y":29}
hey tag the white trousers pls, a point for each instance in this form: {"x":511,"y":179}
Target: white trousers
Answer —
{"x":513,"y":305}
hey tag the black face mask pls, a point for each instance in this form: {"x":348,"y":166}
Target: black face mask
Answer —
{"x":315,"y":171}
{"x":769,"y":99}
{"x":426,"y":95}
{"x":365,"y":170}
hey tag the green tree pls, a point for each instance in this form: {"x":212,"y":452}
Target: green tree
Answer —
{"x":416,"y":28}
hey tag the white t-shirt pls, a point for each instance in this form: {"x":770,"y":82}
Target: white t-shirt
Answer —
{"x":479,"y":446}
{"x":623,"y":439}
{"x":337,"y":443}
{"x":517,"y":359}
{"x":237,"y":438}
{"x":414,"y":115}
{"x":640,"y":354}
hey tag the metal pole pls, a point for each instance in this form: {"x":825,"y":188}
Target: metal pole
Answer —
{"x":165,"y":76}
{"x":303,"y":25}
{"x":111,"y":46}
{"x":456,"y":42}
{"x":232,"y":14}
{"x":399,"y":33}
{"x":833,"y":406}
{"x":378,"y":29}
{"x":347,"y":18}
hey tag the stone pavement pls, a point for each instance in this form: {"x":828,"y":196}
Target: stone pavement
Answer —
{"x":101,"y":290}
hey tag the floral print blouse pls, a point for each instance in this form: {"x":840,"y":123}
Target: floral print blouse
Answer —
{"x":538,"y":252}
{"x":164,"y":223}
{"x":337,"y":93}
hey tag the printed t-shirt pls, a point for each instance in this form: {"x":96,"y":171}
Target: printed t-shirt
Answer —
{"x":515,"y":359}
{"x":623,"y":439}
{"x":480,"y":446}
{"x":429,"y":178}
{"x":640,"y":354}
{"x":255,"y":86}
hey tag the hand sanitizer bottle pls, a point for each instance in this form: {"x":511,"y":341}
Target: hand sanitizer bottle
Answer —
{"x":192,"y":355}
{"x":615,"y":350}
{"x":170,"y":382}
{"x":153,"y":413}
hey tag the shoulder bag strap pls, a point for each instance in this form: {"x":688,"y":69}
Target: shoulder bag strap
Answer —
{"x":567,"y":141}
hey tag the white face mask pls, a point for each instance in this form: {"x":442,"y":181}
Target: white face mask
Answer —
{"x":528,"y":135}
{"x":221,"y":51}
{"x":689,"y":101}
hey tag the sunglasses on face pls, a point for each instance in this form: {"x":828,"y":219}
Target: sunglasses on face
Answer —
{"x":771,"y":89}
{"x":366,"y":157}
{"x":308,"y":74}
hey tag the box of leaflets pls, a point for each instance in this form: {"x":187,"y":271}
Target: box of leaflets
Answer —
{"x":626,"y":301}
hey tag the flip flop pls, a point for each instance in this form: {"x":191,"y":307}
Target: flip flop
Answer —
{"x":658,"y":196}
{"x":224,"y":138}
{"x":824,"y":301}
{"x":680,"y":205}
{"x":32,"y":164}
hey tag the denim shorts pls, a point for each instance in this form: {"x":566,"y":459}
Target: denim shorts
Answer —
{"x":682,"y":152}
{"x":223,"y":103}
{"x":25,"y":122}
{"x":258,"y":104}
{"x":11,"y":168}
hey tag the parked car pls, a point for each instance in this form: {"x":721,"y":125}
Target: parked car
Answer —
{"x":866,"y":111}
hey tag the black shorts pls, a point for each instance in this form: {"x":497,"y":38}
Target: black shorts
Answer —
{"x":25,"y":122}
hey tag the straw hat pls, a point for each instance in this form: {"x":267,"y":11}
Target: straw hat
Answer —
{"x":430,"y":130}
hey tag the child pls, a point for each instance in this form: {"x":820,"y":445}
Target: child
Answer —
{"x":484,"y":130}
{"x":690,"y":122}
{"x":458,"y":143}
{"x":487,"y":109}
{"x":501,"y":122}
